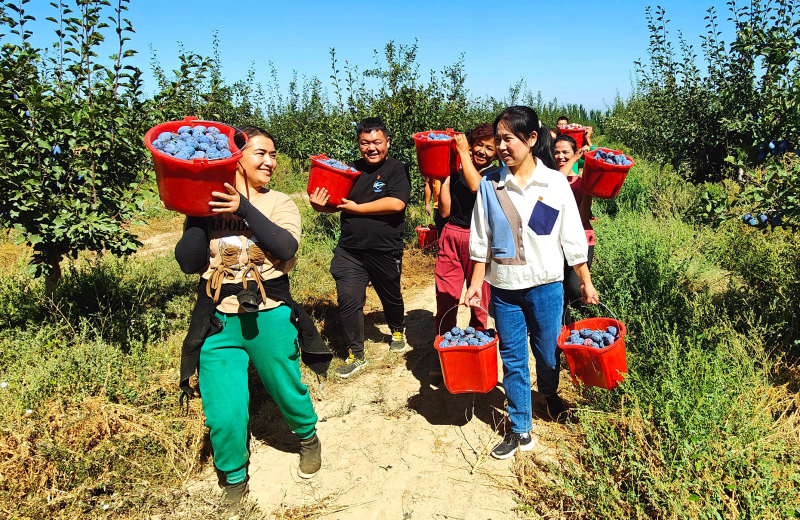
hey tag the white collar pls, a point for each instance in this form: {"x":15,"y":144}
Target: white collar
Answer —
{"x":539,"y":176}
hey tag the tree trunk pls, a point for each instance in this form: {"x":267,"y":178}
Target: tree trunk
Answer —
{"x":51,"y":279}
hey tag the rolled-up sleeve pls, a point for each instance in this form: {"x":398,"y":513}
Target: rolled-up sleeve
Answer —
{"x":480,"y":237}
{"x":571,"y":235}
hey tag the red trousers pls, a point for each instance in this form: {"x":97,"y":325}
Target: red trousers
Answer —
{"x":453,"y":266}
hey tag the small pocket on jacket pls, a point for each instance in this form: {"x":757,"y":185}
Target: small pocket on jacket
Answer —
{"x":543,"y":218}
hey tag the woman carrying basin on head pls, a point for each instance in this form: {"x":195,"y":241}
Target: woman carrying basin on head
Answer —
{"x":524,"y":224}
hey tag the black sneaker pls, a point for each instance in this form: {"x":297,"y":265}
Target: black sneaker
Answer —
{"x":512,"y":443}
{"x":232,"y":498}
{"x":351,"y":366}
{"x":556,"y":408}
{"x":398,"y":343}
{"x":310,"y":457}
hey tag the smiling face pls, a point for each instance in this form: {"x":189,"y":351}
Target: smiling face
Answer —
{"x":374,"y":146}
{"x":563,"y":153}
{"x":510,"y":148}
{"x":258,"y":160}
{"x":483,"y":153}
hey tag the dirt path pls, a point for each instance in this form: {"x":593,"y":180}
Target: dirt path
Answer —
{"x":396,"y":443}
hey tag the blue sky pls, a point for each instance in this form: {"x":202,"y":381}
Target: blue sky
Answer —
{"x":577,"y":51}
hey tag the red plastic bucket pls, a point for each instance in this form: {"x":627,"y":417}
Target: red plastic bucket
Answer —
{"x":185,"y":186}
{"x":603,"y":180}
{"x":603,"y":368}
{"x":427,"y":235}
{"x":436,"y":159}
{"x":468,"y":369}
{"x":575,"y":133}
{"x":337,"y":182}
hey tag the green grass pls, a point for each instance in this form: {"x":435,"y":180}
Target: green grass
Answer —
{"x":706,"y":424}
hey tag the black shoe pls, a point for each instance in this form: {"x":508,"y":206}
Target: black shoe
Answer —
{"x":398,"y":343}
{"x":556,"y":408}
{"x":310,"y":457}
{"x":351,"y":366}
{"x":232,"y":498}
{"x":512,"y":443}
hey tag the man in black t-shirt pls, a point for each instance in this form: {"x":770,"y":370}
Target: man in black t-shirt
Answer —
{"x":370,"y":247}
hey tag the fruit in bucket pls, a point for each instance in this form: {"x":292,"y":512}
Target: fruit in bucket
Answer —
{"x":612,"y":158}
{"x":189,"y":143}
{"x":433,"y":136}
{"x":338,"y":165}
{"x":598,"y":338}
{"x":458,"y":337}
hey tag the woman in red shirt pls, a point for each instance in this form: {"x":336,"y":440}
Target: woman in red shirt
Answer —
{"x":567,"y":155}
{"x":456,"y":200}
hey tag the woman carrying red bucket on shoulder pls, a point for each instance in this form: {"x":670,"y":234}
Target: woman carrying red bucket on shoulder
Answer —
{"x":456,"y":200}
{"x":245,"y":313}
{"x":567,"y":156}
{"x":524,"y":224}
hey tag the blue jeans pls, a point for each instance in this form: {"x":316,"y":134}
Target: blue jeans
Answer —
{"x":535,"y":311}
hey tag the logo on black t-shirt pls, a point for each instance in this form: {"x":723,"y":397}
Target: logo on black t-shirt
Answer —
{"x":378,"y":186}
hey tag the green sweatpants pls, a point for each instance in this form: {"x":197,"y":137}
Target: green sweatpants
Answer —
{"x":269,"y":340}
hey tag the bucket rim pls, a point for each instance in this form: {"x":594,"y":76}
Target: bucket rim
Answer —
{"x":192,"y":121}
{"x":562,"y":336}
{"x":423,"y":136}
{"x":465,"y":348}
{"x":617,"y":168}
{"x":315,"y":163}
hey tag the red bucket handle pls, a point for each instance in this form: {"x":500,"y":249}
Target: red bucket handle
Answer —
{"x":463,"y":304}
{"x":566,"y":310}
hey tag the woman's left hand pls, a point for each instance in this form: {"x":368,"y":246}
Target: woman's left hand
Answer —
{"x":588,"y":132}
{"x":589,"y":294}
{"x":581,"y":151}
{"x":232,"y":200}
{"x":462,"y":144}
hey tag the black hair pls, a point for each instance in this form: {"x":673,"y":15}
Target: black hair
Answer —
{"x":369,"y":125}
{"x":250,"y":131}
{"x":565,"y":118}
{"x":523,"y":121}
{"x":572,"y":142}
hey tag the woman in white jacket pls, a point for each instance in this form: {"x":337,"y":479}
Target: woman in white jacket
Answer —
{"x":524,"y":224}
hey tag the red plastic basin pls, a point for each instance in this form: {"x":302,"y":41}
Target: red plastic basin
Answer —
{"x":337,"y":182}
{"x":468,"y":369}
{"x":603,"y":368}
{"x":427,"y":235}
{"x":603,"y":180}
{"x":436,"y":159}
{"x":186,"y":186}
{"x":575,"y":133}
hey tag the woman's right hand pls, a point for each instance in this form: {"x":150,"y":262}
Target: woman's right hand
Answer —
{"x":462,"y":145}
{"x":320,"y":197}
{"x":474,"y":295}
